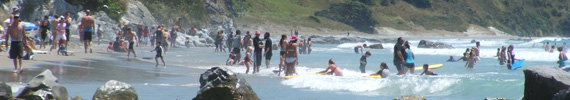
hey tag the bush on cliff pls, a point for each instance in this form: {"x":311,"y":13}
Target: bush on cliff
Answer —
{"x":353,"y":13}
{"x":115,"y":8}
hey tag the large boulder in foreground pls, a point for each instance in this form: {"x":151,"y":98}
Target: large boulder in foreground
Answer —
{"x":542,"y":82}
{"x":116,"y":90}
{"x":5,"y":91}
{"x":222,"y":84}
{"x":44,"y":87}
{"x":433,"y":45}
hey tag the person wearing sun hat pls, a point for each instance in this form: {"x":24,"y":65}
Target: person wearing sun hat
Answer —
{"x":291,"y":58}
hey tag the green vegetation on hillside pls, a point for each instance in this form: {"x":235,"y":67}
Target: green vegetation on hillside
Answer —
{"x":355,"y":14}
{"x":167,"y":12}
{"x":114,"y":10}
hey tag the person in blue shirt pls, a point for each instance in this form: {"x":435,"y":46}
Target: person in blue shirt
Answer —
{"x":159,"y":53}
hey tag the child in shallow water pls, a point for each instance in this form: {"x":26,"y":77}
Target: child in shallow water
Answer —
{"x":561,"y":58}
{"x":427,"y":71}
{"x":384,"y":71}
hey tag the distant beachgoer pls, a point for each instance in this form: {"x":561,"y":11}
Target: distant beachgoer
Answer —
{"x":511,"y":56}
{"x":564,"y":47}
{"x":217,"y":41}
{"x":477,"y":44}
{"x":451,"y":59}
{"x":384,"y":71}
{"x":87,"y":25}
{"x":237,"y":45}
{"x":268,"y":49}
{"x":139,"y":33}
{"x":427,"y":71}
{"x":16,"y":35}
{"x":63,"y":50}
{"x":409,"y":59}
{"x":229,"y":41}
{"x":131,"y":37}
{"x":247,"y":59}
{"x":291,"y":57}
{"x":282,"y":46}
{"x":296,"y":32}
{"x":146,"y":36}
{"x":231,"y":59}
{"x":503,"y":55}
{"x":53,"y":26}
{"x":561,"y":57}
{"x":110,"y":47}
{"x":301,"y":46}
{"x":465,"y":56}
{"x":68,"y":20}
{"x":363,"y":61}
{"x":498,"y":54}
{"x":258,"y":51}
{"x":159,"y":54}
{"x":44,"y":30}
{"x":174,"y":35}
{"x":152,"y":36}
{"x":165,"y":40}
{"x":334,"y":69}
{"x":547,"y":47}
{"x":309,"y":45}
{"x":187,"y":42}
{"x":471,"y":59}
{"x":99,"y":34}
{"x":247,"y":41}
{"x":399,"y":55}
{"x":552,"y":48}
{"x":361,"y":47}
{"x":60,"y":35}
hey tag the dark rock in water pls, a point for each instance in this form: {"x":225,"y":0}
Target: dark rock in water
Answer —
{"x":275,"y":46}
{"x":43,"y":87}
{"x":434,"y":45}
{"x":411,"y":97}
{"x":562,"y":95}
{"x":473,"y":41}
{"x":496,"y":98}
{"x":542,"y":82}
{"x":115,"y":90}
{"x":376,"y":46}
{"x":222,"y":84}
{"x":5,"y":91}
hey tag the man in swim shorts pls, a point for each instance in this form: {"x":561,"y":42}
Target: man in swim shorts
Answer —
{"x":237,"y":46}
{"x":258,"y":48}
{"x":16,"y":35}
{"x":131,"y":37}
{"x":87,"y":25}
{"x":361,"y":47}
{"x":268,"y":49}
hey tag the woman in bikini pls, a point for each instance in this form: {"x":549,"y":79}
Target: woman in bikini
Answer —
{"x":291,"y":57}
{"x":247,"y":59}
{"x":283,"y":45}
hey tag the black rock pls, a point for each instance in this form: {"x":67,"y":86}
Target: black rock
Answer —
{"x":5,"y":91}
{"x":376,"y":46}
{"x":222,"y":84}
{"x":542,"y":82}
{"x":434,"y":45}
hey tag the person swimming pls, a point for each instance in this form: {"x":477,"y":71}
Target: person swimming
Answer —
{"x":334,"y":69}
{"x":384,"y":71}
{"x":562,"y":58}
{"x":427,"y":71}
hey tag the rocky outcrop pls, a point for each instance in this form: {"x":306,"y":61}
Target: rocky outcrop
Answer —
{"x":219,"y":19}
{"x":433,"y":45}
{"x":43,"y":87}
{"x":198,"y":40}
{"x":339,"y":40}
{"x":222,"y":84}
{"x":138,"y":14}
{"x":36,"y":9}
{"x":5,"y":91}
{"x":115,"y":90}
{"x":542,"y":82}
{"x":562,"y":95}
{"x":376,"y":46}
{"x":411,"y":97}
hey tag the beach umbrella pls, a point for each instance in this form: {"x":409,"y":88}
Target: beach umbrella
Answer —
{"x":29,"y":25}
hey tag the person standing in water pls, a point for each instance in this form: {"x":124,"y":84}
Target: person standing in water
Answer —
{"x":511,"y":56}
{"x":229,"y":41}
{"x":384,"y":71}
{"x":159,"y":54}
{"x":561,"y":57}
{"x":237,"y":45}
{"x":44,"y":30}
{"x":409,"y":59}
{"x":268,"y":49}
{"x":334,"y":69}
{"x":363,"y":61}
{"x":131,"y":37}
{"x":291,"y":57}
{"x":399,"y":55}
{"x":87,"y":25}
{"x":247,"y":59}
{"x":258,"y":49}
{"x":361,"y":47}
{"x":309,"y":44}
{"x":471,"y":58}
{"x":283,"y":46}
{"x":503,"y":55}
{"x":16,"y":35}
{"x":68,"y":20}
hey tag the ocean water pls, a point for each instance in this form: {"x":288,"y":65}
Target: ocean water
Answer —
{"x":180,"y":79}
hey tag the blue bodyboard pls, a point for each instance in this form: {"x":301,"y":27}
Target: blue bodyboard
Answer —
{"x":518,"y":64}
